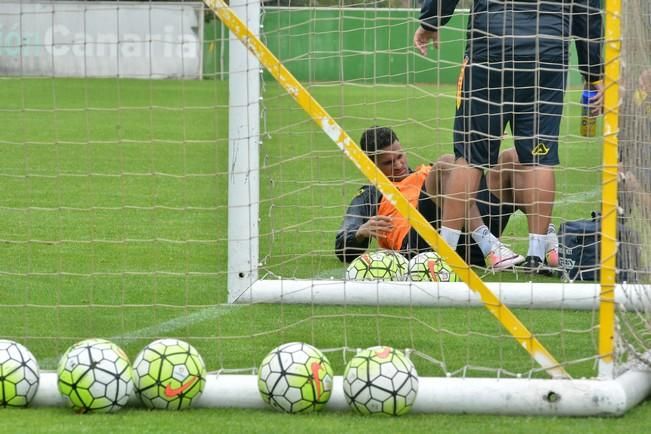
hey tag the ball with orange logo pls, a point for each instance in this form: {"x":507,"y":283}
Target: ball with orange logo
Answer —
{"x":295,"y":378}
{"x":169,"y":374}
{"x":430,"y":267}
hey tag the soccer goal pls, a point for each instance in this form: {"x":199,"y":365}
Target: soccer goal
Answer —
{"x":629,"y":298}
{"x":173,"y":171}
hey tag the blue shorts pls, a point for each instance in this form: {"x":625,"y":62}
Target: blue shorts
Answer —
{"x":527,"y":95}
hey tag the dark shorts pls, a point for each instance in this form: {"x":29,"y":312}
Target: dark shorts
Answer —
{"x":526,"y":95}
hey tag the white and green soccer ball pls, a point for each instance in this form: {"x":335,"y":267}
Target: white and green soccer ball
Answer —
{"x":380,"y":380}
{"x":295,"y":378}
{"x":430,"y":267}
{"x":169,"y":374}
{"x":95,"y":376}
{"x":19,"y":374}
{"x":380,"y":265}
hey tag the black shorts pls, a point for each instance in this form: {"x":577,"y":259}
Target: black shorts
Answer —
{"x":525,"y":94}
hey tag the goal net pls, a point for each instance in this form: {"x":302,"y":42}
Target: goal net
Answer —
{"x":635,"y":176}
{"x":160,"y":181}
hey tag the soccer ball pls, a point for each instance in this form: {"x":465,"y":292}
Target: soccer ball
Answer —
{"x":401,"y":263}
{"x":430,"y":267}
{"x":19,"y":375}
{"x":95,"y":375}
{"x":380,"y":265}
{"x":170,"y":374}
{"x":295,"y":378}
{"x":380,"y":380}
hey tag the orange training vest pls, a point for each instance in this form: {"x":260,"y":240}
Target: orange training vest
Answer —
{"x":410,"y":187}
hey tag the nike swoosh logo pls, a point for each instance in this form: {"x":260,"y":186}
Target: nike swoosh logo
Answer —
{"x":315,"y":367}
{"x":431,"y":266}
{"x":171,"y":392}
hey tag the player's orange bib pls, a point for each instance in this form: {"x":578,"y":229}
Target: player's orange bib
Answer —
{"x":410,"y":187}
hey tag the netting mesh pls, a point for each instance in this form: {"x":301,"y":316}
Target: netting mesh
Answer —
{"x":635,"y":176}
{"x":138,"y":250}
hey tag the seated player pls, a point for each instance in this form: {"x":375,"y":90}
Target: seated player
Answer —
{"x":370,"y":215}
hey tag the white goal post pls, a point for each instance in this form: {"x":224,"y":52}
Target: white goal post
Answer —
{"x":442,"y":395}
{"x":243,"y":156}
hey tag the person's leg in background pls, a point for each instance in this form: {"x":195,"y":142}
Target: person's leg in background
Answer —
{"x":536,"y":126}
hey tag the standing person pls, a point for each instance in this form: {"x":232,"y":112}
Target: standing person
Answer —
{"x":514,"y":72}
{"x":370,"y":215}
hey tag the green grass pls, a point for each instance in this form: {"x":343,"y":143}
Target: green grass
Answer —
{"x":258,"y":421}
{"x":114,"y":224}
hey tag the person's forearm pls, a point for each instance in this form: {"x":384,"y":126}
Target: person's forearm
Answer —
{"x":587,"y":28}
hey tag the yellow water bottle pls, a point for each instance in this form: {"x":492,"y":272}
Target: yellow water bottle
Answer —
{"x":588,"y":120}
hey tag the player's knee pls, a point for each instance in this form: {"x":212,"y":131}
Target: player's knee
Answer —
{"x":444,"y":164}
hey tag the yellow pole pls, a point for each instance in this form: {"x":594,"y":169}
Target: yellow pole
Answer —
{"x":518,"y":330}
{"x":613,"y":42}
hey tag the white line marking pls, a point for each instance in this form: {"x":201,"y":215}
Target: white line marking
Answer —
{"x":161,"y":329}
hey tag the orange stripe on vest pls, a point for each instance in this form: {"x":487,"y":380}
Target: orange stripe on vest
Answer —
{"x":410,"y":187}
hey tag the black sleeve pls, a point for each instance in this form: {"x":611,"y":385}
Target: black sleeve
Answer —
{"x":436,"y":13}
{"x":362,"y":207}
{"x":587,"y":29}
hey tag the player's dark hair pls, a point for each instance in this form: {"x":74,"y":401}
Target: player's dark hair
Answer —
{"x":376,"y":138}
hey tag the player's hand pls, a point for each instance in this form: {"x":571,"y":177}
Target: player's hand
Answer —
{"x":377,"y":226}
{"x":597,"y":101}
{"x":422,"y":38}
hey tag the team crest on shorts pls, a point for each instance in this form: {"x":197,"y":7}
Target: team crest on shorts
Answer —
{"x":540,"y":149}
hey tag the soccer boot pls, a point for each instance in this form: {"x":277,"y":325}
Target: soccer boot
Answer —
{"x":535,"y":265}
{"x":551,"y":247}
{"x":502,"y":258}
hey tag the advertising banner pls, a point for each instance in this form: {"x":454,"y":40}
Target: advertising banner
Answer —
{"x":101,"y":39}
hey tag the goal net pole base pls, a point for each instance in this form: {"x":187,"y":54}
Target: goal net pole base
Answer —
{"x":533,"y":397}
{"x":579,"y":296}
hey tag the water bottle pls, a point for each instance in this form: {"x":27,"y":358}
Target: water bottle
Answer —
{"x":588,"y":120}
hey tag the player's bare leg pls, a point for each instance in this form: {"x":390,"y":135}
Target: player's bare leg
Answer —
{"x":438,"y":177}
{"x":537,"y":187}
{"x":460,"y":188}
{"x":500,"y":182}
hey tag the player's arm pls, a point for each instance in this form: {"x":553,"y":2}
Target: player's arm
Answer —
{"x":359,"y":225}
{"x":587,"y":29}
{"x":433,"y":14}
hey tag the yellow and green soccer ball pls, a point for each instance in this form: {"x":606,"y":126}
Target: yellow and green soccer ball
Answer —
{"x":95,"y":375}
{"x":19,"y":374}
{"x":169,"y":374}
{"x":380,"y":380}
{"x":295,"y":378}
{"x":380,"y":265}
{"x":430,"y":267}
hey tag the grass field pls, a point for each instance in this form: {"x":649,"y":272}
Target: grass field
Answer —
{"x":114,"y":224}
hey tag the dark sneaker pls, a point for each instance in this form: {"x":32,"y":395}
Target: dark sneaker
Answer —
{"x":534,"y":265}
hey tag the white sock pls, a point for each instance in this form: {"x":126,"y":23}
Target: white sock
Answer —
{"x":536,"y":245}
{"x":551,"y":228}
{"x":451,"y":236}
{"x":484,"y":239}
